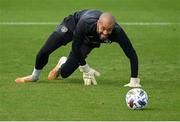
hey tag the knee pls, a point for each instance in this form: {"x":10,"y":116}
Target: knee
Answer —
{"x":64,"y":74}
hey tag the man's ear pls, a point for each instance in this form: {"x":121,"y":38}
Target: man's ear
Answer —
{"x":97,"y":25}
{"x":97,"y":22}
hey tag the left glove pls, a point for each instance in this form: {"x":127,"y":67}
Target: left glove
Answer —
{"x":89,"y":75}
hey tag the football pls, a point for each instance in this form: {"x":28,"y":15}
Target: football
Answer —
{"x":136,"y":98}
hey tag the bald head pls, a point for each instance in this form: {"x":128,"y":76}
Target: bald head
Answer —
{"x":105,"y":25}
{"x":107,"y":19}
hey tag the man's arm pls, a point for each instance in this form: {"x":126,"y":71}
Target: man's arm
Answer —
{"x":123,"y":40}
{"x":78,"y":38}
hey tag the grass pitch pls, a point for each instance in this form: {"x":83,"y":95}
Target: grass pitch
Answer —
{"x":157,"y":48}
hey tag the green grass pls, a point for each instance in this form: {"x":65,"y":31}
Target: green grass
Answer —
{"x":68,"y":99}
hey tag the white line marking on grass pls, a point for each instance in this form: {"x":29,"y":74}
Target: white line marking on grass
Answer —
{"x":28,"y":23}
{"x":150,"y":23}
{"x":122,"y":23}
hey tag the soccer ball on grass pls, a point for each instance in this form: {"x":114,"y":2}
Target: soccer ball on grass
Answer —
{"x":136,"y":98}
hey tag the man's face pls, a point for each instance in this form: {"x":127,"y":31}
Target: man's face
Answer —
{"x":104,"y":30}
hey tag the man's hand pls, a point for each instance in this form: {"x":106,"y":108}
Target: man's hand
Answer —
{"x":134,"y":82}
{"x":89,"y":78}
{"x":89,"y":75}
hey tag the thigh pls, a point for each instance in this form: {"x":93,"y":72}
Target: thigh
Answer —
{"x":56,"y":39}
{"x":65,"y":33}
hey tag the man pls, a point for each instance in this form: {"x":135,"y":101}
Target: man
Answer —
{"x":87,"y":29}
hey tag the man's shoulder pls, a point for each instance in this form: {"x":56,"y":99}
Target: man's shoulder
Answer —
{"x":116,"y":31}
{"x":90,"y":16}
{"x":88,"y":23}
{"x":117,"y":28}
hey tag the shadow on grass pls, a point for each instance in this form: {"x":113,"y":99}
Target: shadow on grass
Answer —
{"x":62,"y":81}
{"x":145,"y":109}
{"x":101,"y":82}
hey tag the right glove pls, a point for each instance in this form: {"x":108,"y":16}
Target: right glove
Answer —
{"x":134,"y":82}
{"x":89,"y":74}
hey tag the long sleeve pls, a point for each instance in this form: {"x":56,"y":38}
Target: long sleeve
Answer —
{"x":79,"y":35}
{"x":122,"y":39}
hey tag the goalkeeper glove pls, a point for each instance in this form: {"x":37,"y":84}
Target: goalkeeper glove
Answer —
{"x":89,"y":74}
{"x":134,"y":82}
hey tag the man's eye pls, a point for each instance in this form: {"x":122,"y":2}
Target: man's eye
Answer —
{"x":109,"y":30}
{"x":103,"y":28}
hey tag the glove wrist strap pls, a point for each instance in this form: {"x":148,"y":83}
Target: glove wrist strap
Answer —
{"x":135,"y":80}
{"x":85,"y":68}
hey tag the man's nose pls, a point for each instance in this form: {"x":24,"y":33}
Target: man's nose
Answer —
{"x":105,"y":32}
